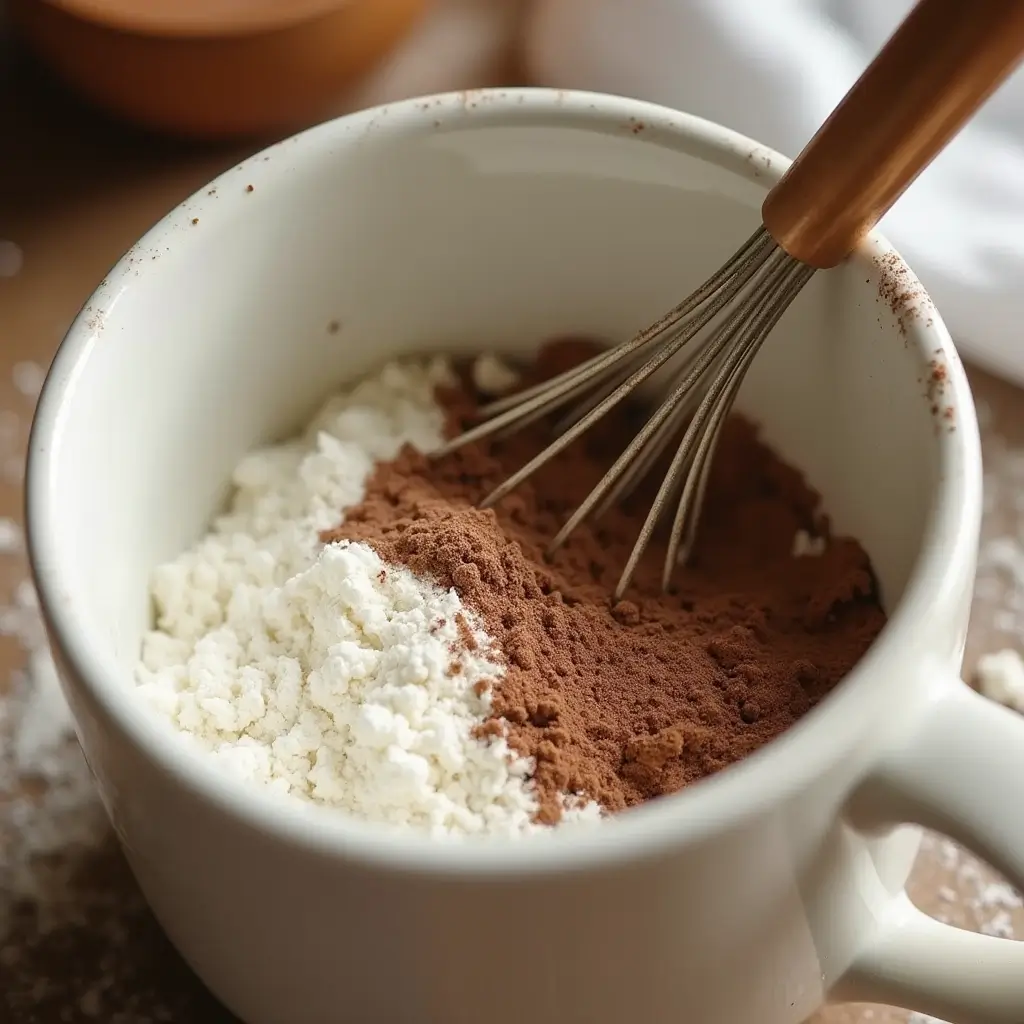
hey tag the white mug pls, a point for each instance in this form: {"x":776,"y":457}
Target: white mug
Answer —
{"x":497,"y":219}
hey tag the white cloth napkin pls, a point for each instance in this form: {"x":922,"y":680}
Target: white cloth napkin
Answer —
{"x":771,"y":69}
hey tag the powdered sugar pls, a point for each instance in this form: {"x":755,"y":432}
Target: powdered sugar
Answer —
{"x":320,"y":672}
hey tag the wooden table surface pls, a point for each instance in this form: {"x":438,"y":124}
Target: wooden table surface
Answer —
{"x":75,"y":192}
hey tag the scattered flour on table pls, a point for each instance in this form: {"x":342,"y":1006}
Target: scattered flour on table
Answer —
{"x":1000,"y":677}
{"x":319,"y":671}
{"x":28,"y":378}
{"x":999,"y":593}
{"x":981,"y":901}
{"x":49,"y":807}
{"x":11,"y":539}
{"x":49,"y":810}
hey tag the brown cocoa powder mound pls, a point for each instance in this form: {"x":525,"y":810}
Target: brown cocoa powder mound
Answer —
{"x":625,"y":702}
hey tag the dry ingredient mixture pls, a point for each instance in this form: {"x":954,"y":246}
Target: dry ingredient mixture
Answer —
{"x":422,"y":663}
{"x":626,"y":701}
{"x":320,"y":671}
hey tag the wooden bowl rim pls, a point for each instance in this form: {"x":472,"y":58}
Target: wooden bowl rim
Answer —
{"x":198,"y":18}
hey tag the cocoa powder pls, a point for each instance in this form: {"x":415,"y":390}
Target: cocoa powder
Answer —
{"x":625,"y":701}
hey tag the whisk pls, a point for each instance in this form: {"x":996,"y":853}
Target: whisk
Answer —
{"x":941,"y":64}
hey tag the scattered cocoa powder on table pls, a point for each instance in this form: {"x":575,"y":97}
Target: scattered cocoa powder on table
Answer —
{"x":622,"y":702}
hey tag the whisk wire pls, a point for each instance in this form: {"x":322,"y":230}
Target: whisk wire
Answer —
{"x":644,"y":448}
{"x":647,"y":445}
{"x":654,"y":448}
{"x":650,"y":454}
{"x":578,"y":411}
{"x":531,"y":403}
{"x":747,"y":327}
{"x":647,"y":369}
{"x":691,"y":500}
{"x":883,"y":133}
{"x":756,"y":246}
{"x":732,"y":313}
{"x":745,"y":318}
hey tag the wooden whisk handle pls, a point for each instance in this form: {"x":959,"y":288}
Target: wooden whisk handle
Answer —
{"x":942,"y":63}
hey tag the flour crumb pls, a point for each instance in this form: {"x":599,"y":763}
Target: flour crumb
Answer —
{"x":46,"y":720}
{"x":1000,"y":677}
{"x":320,"y":672}
{"x":28,"y":378}
{"x":999,"y":895}
{"x":493,"y":376}
{"x":11,"y":539}
{"x":1000,"y":924}
{"x":807,"y":546}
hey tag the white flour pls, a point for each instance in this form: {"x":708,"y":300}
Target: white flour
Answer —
{"x":492,"y":376}
{"x":320,"y":672}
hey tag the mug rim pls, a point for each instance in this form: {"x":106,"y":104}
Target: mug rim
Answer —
{"x":744,"y":790}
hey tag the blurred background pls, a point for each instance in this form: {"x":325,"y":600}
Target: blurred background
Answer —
{"x":113,"y":111}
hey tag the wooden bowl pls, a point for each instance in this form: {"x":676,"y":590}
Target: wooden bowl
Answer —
{"x":214,"y":68}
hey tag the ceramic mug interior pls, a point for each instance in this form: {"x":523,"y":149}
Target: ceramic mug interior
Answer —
{"x":487,"y":222}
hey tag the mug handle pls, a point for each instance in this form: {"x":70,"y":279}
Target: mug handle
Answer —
{"x":958,"y":769}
